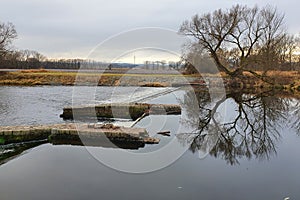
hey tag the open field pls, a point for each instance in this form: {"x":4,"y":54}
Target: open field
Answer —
{"x":281,"y":79}
{"x":47,"y":77}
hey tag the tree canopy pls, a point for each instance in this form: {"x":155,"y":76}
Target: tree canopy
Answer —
{"x":239,"y":38}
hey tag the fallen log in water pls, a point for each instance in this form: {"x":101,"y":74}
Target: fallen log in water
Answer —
{"x":165,"y":133}
{"x":119,"y":110}
{"x":86,"y":133}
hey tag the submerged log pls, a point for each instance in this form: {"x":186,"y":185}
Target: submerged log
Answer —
{"x":119,"y":110}
{"x":87,"y":133}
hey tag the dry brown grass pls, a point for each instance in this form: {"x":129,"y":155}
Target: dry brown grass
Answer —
{"x":284,"y":73}
{"x":276,"y":73}
{"x":34,"y":71}
{"x":35,"y":78}
{"x":153,"y":84}
{"x":285,"y":79}
{"x":280,"y":79}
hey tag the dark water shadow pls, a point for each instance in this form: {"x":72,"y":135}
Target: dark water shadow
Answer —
{"x":11,"y":151}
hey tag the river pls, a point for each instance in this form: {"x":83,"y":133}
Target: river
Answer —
{"x":243,"y":146}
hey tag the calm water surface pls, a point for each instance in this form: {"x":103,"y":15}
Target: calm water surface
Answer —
{"x":255,"y":151}
{"x":43,"y":105}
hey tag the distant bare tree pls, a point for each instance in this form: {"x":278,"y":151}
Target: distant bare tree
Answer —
{"x":38,"y":56}
{"x":163,"y":63}
{"x":289,"y":45}
{"x":7,"y":34}
{"x":198,"y":60}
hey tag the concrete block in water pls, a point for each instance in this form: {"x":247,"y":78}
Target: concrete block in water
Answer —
{"x":71,"y":131}
{"x":119,"y":110}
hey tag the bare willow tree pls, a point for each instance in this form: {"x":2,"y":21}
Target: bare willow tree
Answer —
{"x":239,"y":33}
{"x":7,"y":34}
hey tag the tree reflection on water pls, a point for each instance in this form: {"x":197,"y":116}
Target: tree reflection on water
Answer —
{"x":250,"y":127}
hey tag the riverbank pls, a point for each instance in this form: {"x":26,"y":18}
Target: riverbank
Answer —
{"x":47,"y":77}
{"x":286,"y":80}
{"x":280,"y":80}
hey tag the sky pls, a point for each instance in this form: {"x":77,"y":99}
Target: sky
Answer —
{"x":72,"y":28}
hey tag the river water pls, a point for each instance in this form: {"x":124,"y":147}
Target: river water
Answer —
{"x":244,"y":146}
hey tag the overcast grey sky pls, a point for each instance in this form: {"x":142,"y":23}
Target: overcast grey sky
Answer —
{"x":71,"y":28}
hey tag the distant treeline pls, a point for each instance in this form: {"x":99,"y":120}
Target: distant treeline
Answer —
{"x":33,"y":64}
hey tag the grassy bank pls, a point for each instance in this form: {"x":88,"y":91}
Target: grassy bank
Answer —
{"x":36,"y":77}
{"x":44,"y":77}
{"x":289,"y":80}
{"x":285,"y":80}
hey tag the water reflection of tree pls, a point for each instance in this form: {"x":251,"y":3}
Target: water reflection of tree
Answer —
{"x":296,"y":113}
{"x":251,"y":130}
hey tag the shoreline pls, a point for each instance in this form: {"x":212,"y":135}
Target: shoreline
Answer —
{"x":284,"y":80}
